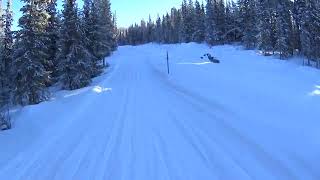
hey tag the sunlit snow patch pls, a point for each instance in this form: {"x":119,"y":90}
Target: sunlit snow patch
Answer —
{"x":99,"y":89}
{"x":200,"y":63}
{"x":316,"y":92}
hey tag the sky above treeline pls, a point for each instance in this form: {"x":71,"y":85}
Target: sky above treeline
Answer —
{"x":127,"y":11}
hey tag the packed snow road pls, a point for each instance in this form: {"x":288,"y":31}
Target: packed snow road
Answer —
{"x":236,"y":120}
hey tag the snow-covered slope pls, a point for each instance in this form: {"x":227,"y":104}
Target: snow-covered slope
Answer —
{"x":250,"y":117}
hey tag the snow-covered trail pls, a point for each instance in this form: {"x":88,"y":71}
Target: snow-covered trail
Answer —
{"x":137,"y":123}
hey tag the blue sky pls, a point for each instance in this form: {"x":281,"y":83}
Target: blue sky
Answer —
{"x":128,"y":11}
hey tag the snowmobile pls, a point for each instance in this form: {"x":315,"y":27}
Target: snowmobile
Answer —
{"x":211,"y":58}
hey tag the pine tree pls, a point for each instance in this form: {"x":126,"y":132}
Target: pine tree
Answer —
{"x":29,"y":54}
{"x":75,"y":63}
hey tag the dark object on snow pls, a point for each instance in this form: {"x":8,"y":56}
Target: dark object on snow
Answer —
{"x":211,"y":58}
{"x":4,"y":127}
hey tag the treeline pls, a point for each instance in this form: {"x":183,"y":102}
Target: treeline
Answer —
{"x":274,"y":26}
{"x":51,"y":47}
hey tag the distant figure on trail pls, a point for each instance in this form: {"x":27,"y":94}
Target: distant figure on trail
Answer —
{"x":211,"y":58}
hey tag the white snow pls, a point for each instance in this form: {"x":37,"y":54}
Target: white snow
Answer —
{"x":250,"y":117}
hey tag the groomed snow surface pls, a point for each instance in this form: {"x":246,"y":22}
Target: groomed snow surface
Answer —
{"x":250,"y":117}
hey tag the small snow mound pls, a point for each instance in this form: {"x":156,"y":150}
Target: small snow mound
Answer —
{"x":99,"y":89}
{"x":315,"y":92}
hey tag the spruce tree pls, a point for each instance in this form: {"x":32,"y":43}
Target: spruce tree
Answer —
{"x":52,"y":34}
{"x":265,"y":27}
{"x":30,"y":55}
{"x":220,"y":23}
{"x":188,"y":14}
{"x":270,"y":25}
{"x":1,"y":21}
{"x":284,"y":30}
{"x":310,"y":34}
{"x":199,"y":32}
{"x":236,"y":24}
{"x":316,"y":30}
{"x":150,"y":30}
{"x":232,"y":26}
{"x":75,"y":63}
{"x":299,"y":9}
{"x":167,"y":29}
{"x":164,"y":34}
{"x":184,"y":13}
{"x":158,"y":30}
{"x":92,"y":34}
{"x":1,"y":31}
{"x":248,"y":21}
{"x":210,"y":23}
{"x":6,"y":58}
{"x":306,"y":31}
{"x":107,"y":40}
{"x":114,"y":44}
{"x":143,"y":32}
{"x":177,"y":25}
{"x":190,"y":21}
{"x":6,"y":85}
{"x":2,"y":16}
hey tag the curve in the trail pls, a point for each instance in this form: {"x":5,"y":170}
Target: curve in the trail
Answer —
{"x":146,"y":128}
